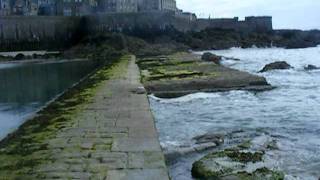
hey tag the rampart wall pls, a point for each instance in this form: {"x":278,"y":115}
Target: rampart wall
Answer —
{"x":42,"y":32}
{"x":20,"y":32}
{"x":122,"y":22}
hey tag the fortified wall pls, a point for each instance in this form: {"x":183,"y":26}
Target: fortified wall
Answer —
{"x":250,"y":24}
{"x":38,"y":32}
{"x":42,"y":32}
{"x":158,"y":20}
{"x":132,"y":21}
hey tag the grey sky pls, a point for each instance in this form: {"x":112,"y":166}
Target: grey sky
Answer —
{"x":293,"y":14}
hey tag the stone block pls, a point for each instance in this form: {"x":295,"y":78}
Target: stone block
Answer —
{"x":135,"y":144}
{"x":146,"y":160}
{"x":138,"y":174}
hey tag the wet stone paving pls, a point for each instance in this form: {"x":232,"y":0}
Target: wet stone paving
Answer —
{"x":114,"y":137}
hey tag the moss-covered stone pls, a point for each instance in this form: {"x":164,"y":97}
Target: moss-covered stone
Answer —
{"x":29,"y":147}
{"x":272,"y":145}
{"x":259,"y":174}
{"x":179,"y":66}
{"x":234,"y":164}
{"x":183,"y":73}
{"x":237,"y":155}
{"x":245,"y":145}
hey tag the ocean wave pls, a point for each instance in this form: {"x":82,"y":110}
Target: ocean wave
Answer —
{"x":187,"y":98}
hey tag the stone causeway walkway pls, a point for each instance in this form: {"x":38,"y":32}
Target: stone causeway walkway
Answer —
{"x":114,"y":138}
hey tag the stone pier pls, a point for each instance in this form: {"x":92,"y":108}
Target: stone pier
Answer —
{"x":113,"y":137}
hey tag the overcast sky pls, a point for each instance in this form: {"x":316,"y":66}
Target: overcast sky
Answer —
{"x":293,"y":14}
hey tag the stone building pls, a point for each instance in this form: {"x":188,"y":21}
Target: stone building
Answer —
{"x":83,"y":7}
{"x":157,"y":5}
{"x":32,"y":7}
{"x":168,"y":5}
{"x":117,"y":6}
{"x":19,"y":7}
{"x":186,"y":15}
{"x":5,"y":7}
{"x":47,"y":7}
{"x":78,"y":7}
{"x":22,"y":7}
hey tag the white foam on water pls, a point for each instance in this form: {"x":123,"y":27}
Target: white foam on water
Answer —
{"x":187,"y":98}
{"x":289,"y":114}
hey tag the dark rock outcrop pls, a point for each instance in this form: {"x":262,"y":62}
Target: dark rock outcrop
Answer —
{"x":200,"y":144}
{"x":212,"y":38}
{"x":234,"y":164}
{"x":209,"y":138}
{"x":276,"y":65}
{"x":211,"y":58}
{"x":19,"y":56}
{"x":311,"y":67}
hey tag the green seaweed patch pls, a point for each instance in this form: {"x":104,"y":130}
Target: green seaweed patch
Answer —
{"x":201,"y":172}
{"x":262,"y":173}
{"x":161,"y":63}
{"x":245,"y":145}
{"x":272,"y":145}
{"x":167,"y":75}
{"x":172,"y":68}
{"x":238,"y":156}
{"x":231,"y":164}
{"x":20,"y":150}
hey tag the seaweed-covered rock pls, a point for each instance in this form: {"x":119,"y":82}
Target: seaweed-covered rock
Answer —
{"x":276,"y":65}
{"x":311,"y":67}
{"x":211,"y":58}
{"x":245,"y":145}
{"x":259,"y":174}
{"x":234,"y":164}
{"x":209,"y":138}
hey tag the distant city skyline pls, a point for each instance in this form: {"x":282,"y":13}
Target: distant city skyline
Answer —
{"x":287,"y":14}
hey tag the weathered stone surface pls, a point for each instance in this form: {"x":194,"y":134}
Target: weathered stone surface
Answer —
{"x":112,"y":138}
{"x":87,"y":145}
{"x":311,"y":67}
{"x":137,"y":174}
{"x":211,"y":58}
{"x":112,"y":160}
{"x":133,"y":144}
{"x":148,"y":160}
{"x":177,"y":76}
{"x":143,"y":132}
{"x":207,"y":138}
{"x":139,"y":90}
{"x":279,"y":65}
{"x":234,"y":164}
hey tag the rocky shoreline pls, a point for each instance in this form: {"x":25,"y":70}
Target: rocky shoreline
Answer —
{"x":164,"y":73}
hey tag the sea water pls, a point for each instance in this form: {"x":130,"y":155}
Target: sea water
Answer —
{"x":288,"y":115}
{"x":26,"y":87}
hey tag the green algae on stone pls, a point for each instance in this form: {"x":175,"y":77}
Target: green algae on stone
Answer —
{"x":272,"y":145}
{"x":238,"y":156}
{"x":245,"y":145}
{"x":173,"y":75}
{"x":28,"y":147}
{"x":234,"y":164}
{"x":259,"y":174}
{"x":174,"y":68}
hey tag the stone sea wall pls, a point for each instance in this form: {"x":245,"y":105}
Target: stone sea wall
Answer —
{"x":131,"y":21}
{"x":38,"y":32}
{"x":47,"y":32}
{"x":160,"y":21}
